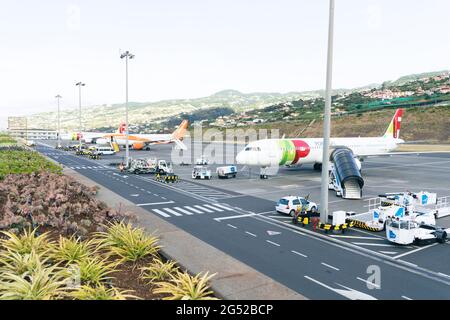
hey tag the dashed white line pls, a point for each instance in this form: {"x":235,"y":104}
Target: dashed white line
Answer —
{"x":299,"y":254}
{"x":153,"y":203}
{"x":443,"y":274}
{"x":329,"y":266}
{"x":231,"y":226}
{"x":406,"y":298}
{"x":274,"y":243}
{"x":251,"y":234}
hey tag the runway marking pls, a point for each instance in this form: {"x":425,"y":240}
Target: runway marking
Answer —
{"x":175,"y":213}
{"x":193,"y":210}
{"x":183,"y":211}
{"x":274,"y":243}
{"x":165,"y":215}
{"x":238,"y":216}
{"x":299,"y":254}
{"x":349,"y":293}
{"x":251,"y":234}
{"x":389,"y":252}
{"x":153,"y":203}
{"x":223,"y":207}
{"x":357,"y":237}
{"x":409,"y":263}
{"x":204,"y":209}
{"x":414,"y":251}
{"x":369,"y":283}
{"x":329,"y":266}
{"x":231,"y":226}
{"x":406,"y":298}
{"x":374,"y":244}
{"x":443,"y":274}
{"x":212,"y":207}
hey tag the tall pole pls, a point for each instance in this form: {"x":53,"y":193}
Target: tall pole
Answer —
{"x":58,"y":97}
{"x":80,"y":84}
{"x":126,"y":55}
{"x":327,"y":121}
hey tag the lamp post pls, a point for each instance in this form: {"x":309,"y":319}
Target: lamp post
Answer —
{"x":127,"y":56}
{"x":327,"y":120}
{"x":79,"y":85}
{"x":58,"y":97}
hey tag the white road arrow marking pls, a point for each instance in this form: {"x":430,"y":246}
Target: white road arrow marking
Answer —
{"x":348,"y":293}
{"x":273,"y":233}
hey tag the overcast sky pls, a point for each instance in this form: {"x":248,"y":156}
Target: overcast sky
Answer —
{"x":188,"y":49}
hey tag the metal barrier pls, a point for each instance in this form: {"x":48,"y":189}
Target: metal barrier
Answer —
{"x":324,"y":226}
{"x":362,"y":225}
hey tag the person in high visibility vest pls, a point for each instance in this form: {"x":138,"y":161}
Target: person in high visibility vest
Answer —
{"x":298,"y":211}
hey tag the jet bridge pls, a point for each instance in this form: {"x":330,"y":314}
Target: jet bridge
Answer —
{"x":345,"y":174}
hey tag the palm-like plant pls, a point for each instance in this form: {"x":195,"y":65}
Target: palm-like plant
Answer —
{"x":101,"y":293}
{"x":20,"y":264}
{"x":183,"y":286}
{"x":41,"y":284}
{"x":72,"y":250}
{"x":130,"y":244}
{"x":25,"y":243}
{"x":158,"y":271}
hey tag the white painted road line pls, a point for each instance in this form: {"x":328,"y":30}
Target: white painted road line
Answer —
{"x":204,"y":209}
{"x":349,"y":293}
{"x":406,"y":298}
{"x":251,"y":234}
{"x":389,"y":252}
{"x":357,"y":237}
{"x":223,"y":207}
{"x":299,"y":254}
{"x":165,"y":215}
{"x":193,"y":210}
{"x":369,"y":284}
{"x":274,"y":243}
{"x":175,"y":213}
{"x":329,"y":266}
{"x":414,"y":251}
{"x":153,"y":203}
{"x":374,"y":244}
{"x":443,"y":274}
{"x":183,"y":211}
{"x":212,"y":207}
{"x":231,"y":226}
{"x":238,"y":216}
{"x":409,"y":263}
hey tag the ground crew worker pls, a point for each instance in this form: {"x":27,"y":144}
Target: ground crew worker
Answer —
{"x":297,"y":212}
{"x":121,"y":167}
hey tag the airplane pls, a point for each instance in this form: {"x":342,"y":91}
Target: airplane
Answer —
{"x":296,"y":152}
{"x":137,"y":141}
{"x":144,"y":141}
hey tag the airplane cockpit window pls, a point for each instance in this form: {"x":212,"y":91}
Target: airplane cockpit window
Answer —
{"x":252,"y":149}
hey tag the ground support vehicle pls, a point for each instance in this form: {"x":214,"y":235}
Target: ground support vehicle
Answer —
{"x":226,"y":172}
{"x":406,"y":232}
{"x":201,"y":172}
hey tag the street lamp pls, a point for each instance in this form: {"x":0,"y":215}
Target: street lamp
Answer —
{"x":58,"y":97}
{"x":126,"y":55}
{"x":327,"y":121}
{"x":79,"y":85}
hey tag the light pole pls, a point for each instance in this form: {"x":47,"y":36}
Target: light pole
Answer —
{"x":126,"y":55}
{"x":58,"y":97}
{"x":327,"y":121}
{"x":79,"y":85}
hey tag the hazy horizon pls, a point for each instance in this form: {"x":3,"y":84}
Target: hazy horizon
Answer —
{"x":191,"y":50}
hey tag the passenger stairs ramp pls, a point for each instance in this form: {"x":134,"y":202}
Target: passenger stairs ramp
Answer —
{"x":347,"y":173}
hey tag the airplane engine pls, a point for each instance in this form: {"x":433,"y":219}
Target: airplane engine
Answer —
{"x":138,"y":146}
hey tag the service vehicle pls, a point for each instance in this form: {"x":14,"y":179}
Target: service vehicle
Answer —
{"x":202,"y":161}
{"x":105,"y":151}
{"x":288,"y":205}
{"x":226,"y":172}
{"x":407,"y":232}
{"x":201,"y":172}
{"x":149,"y":166}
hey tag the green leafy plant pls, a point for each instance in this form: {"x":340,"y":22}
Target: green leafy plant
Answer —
{"x":93,"y":271}
{"x":41,"y":284}
{"x":72,"y":250}
{"x":183,"y":286}
{"x":130,"y":244}
{"x":101,"y":293}
{"x":20,"y":264}
{"x":158,"y":271}
{"x":26,"y":243}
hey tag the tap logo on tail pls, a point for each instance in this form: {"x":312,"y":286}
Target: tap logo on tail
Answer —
{"x":393,"y":130}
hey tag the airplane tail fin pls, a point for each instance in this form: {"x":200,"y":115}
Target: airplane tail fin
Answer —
{"x":122,"y":128}
{"x":393,"y":131}
{"x":181,"y":131}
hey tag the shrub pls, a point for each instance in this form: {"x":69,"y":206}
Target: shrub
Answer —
{"x":158,"y":271}
{"x":93,"y":271}
{"x":20,"y":264}
{"x":183,"y":286}
{"x":101,"y":293}
{"x":128,"y":243}
{"x":72,"y":250}
{"x":25,"y":243}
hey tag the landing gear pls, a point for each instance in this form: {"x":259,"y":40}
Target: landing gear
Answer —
{"x":263,"y":174}
{"x":318,"y":166}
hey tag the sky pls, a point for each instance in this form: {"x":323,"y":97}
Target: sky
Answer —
{"x":190,"y":49}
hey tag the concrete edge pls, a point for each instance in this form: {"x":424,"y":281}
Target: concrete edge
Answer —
{"x":234,"y":280}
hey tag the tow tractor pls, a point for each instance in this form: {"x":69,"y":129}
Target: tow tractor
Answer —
{"x":201,"y":172}
{"x":226,"y":172}
{"x":406,"y":232}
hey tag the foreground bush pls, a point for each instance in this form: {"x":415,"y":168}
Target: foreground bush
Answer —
{"x":183,"y":286}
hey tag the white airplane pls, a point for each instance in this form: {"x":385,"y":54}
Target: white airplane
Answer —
{"x":296,"y":152}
